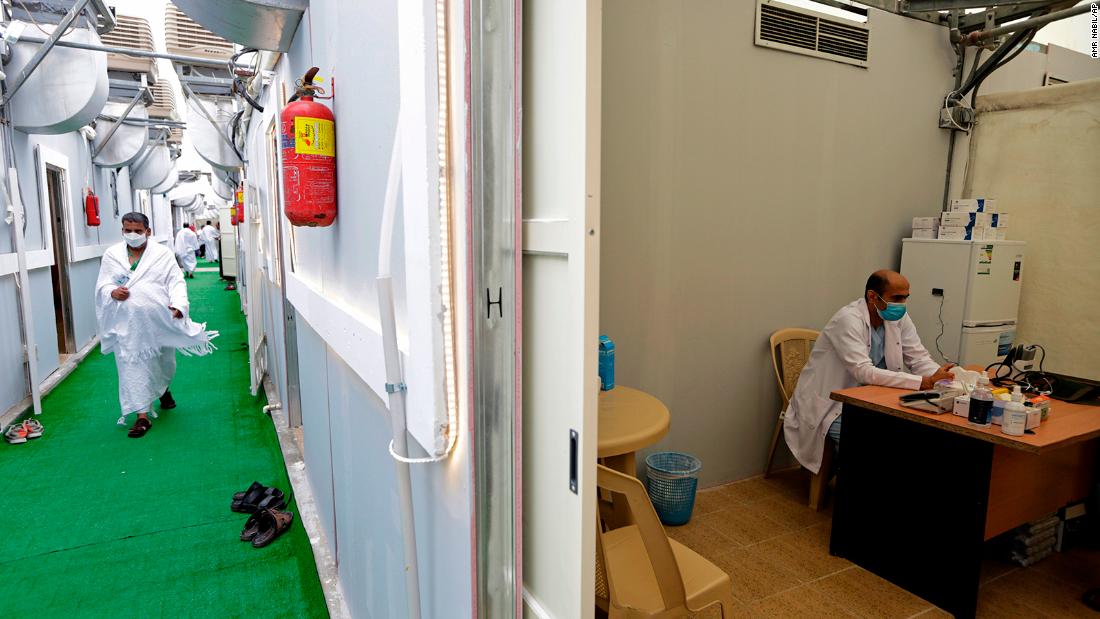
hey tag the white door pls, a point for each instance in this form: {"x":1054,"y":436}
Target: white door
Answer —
{"x":561,"y":184}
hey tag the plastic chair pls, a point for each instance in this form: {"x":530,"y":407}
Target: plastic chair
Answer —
{"x":790,"y":352}
{"x":640,"y":572}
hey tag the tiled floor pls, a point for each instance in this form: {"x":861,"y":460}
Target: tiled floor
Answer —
{"x":776,"y":551}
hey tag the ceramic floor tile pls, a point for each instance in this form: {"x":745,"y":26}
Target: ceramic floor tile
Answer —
{"x":787,"y":512}
{"x":864,"y":594}
{"x":934,"y":613}
{"x":743,"y":526}
{"x":755,"y":574}
{"x":804,"y":554}
{"x":712,"y":500}
{"x":702,"y":538}
{"x":714,"y":612}
{"x":993,"y":569}
{"x":1080,"y":567}
{"x":792,"y":483}
{"x":750,"y":490}
{"x":798,"y":603}
{"x":1037,"y":592}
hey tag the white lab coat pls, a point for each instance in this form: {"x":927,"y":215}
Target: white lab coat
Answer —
{"x":841,"y":358}
{"x":210,"y":236}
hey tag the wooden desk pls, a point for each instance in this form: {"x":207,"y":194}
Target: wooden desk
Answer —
{"x":920,"y":493}
{"x":629,"y":420}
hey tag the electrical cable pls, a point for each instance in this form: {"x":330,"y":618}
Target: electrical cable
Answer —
{"x":942,"y":356}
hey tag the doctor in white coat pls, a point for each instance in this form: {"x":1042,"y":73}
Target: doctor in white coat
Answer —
{"x":867,"y":342}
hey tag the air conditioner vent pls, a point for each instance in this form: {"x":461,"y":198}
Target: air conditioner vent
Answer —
{"x":814,"y":34}
{"x":164,"y":102}
{"x":131,"y":33}
{"x":185,"y":37}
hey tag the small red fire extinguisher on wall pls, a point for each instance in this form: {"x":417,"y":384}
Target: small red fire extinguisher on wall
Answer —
{"x":91,"y":208}
{"x":309,"y":157}
{"x":237,"y":211}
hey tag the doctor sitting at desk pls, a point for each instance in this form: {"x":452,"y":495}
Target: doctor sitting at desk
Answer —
{"x":870,"y":341}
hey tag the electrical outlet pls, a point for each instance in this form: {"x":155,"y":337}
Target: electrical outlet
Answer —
{"x":937,"y":292}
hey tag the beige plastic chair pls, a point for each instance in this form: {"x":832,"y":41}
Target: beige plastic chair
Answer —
{"x":790,"y":352}
{"x":640,"y":572}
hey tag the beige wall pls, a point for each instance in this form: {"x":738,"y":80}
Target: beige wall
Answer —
{"x":748,"y":189}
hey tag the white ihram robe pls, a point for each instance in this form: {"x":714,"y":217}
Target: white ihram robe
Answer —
{"x":187,"y":242}
{"x":140,"y":330}
{"x":210,"y":236}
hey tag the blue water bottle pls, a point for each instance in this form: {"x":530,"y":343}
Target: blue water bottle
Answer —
{"x":607,"y":363}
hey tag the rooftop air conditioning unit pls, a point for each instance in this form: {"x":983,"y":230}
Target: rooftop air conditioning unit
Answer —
{"x":788,"y":28}
{"x":164,"y":102}
{"x":131,"y":33}
{"x":185,"y":37}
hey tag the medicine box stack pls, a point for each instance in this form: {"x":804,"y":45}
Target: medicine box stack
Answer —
{"x":973,"y":219}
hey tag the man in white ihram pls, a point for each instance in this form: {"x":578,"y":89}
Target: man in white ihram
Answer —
{"x":187,"y":242}
{"x":210,"y":236}
{"x":870,"y":341}
{"x":142,"y":314}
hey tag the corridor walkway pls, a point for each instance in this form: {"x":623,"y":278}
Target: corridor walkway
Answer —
{"x":96,"y":524}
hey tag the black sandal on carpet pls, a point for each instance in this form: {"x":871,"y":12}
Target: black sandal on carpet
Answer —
{"x":237,"y":496}
{"x":258,"y":499}
{"x":271,"y":524}
{"x":141,"y":426}
{"x":166,"y":401}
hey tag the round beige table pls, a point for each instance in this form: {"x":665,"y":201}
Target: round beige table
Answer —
{"x":629,"y":420}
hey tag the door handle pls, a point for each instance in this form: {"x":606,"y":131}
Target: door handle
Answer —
{"x":574,"y":440}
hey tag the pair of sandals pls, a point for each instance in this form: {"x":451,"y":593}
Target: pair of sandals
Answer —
{"x":268,"y":520}
{"x":18,"y":433}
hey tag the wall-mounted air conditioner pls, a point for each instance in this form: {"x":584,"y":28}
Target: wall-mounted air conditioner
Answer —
{"x":164,"y":102}
{"x":185,"y":37}
{"x":131,"y":33}
{"x":802,"y":31}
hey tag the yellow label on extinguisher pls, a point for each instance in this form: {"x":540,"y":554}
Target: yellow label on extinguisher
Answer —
{"x":314,"y":136}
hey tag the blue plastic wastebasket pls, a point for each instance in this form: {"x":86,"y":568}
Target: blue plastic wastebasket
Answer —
{"x":671,"y":482}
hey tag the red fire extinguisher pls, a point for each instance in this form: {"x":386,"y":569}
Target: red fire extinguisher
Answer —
{"x":237,"y":211}
{"x":309,"y":157}
{"x":91,"y":208}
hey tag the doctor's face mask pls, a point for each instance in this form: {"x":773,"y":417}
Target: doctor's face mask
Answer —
{"x":892,"y":312}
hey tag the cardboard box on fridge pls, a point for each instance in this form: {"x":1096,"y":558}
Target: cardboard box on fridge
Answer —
{"x":960,"y":219}
{"x":924,"y":233}
{"x":974,"y":205}
{"x":960,"y":233}
{"x":926,"y":223}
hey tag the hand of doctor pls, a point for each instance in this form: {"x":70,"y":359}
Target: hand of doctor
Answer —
{"x":944,"y":373}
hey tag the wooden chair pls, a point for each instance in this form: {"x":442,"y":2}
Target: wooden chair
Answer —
{"x":790,"y":351}
{"x":640,"y":572}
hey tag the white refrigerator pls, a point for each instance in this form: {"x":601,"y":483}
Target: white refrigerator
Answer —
{"x":964,"y":296}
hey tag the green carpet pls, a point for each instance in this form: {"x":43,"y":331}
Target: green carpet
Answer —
{"x":96,"y":524}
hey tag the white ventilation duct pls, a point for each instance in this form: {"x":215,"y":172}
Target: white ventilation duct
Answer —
{"x":128,"y":141}
{"x":65,"y":92}
{"x":152,"y":169}
{"x":263,"y":24}
{"x":169,"y":183}
{"x":212,"y":144}
{"x":223,"y":189}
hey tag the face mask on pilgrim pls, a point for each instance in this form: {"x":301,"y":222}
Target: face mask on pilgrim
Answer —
{"x":893,"y":311}
{"x":134,"y":239}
